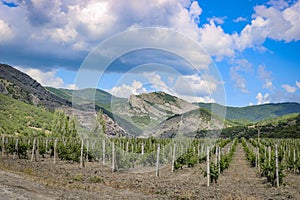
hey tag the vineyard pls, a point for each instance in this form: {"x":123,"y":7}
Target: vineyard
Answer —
{"x":181,"y":168}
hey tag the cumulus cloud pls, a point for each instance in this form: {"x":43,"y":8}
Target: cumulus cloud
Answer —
{"x":265,"y":76}
{"x":192,"y":88}
{"x":268,"y":85}
{"x":298,"y":84}
{"x":217,"y":20}
{"x":48,"y":78}
{"x":65,"y":31}
{"x":277,"y":22}
{"x":288,"y":88}
{"x":240,"y":81}
{"x":216,"y":41}
{"x":6,"y":32}
{"x":241,"y":65}
{"x":126,"y":90}
{"x":280,"y":4}
{"x":240,"y":19}
{"x":61,"y":30}
{"x":195,"y":11}
{"x":193,"y":85}
{"x":262,"y":99}
{"x":156,"y":82}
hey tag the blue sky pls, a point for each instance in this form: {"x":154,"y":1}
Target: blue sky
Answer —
{"x":232,"y":52}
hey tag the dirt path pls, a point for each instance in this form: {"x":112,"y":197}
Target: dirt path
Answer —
{"x":241,"y":181}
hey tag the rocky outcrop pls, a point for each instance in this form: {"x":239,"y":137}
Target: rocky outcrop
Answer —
{"x":187,"y":123}
{"x":24,"y":88}
{"x":87,"y":119}
{"x":148,"y":110}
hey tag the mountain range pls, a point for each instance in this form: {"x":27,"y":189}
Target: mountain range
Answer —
{"x":150,"y":114}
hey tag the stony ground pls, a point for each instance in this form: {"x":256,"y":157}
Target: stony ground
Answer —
{"x":22,"y":179}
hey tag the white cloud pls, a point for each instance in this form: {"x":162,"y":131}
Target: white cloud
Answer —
{"x":288,"y":88}
{"x":263,"y":73}
{"x":47,"y":78}
{"x":194,"y":86}
{"x":192,"y":99}
{"x":217,"y":20}
{"x":280,"y":4}
{"x":262,"y":99}
{"x":67,"y":30}
{"x":276,"y":22}
{"x":70,"y":29}
{"x":268,"y":85}
{"x":156,"y":82}
{"x":240,"y":81}
{"x":242,"y":65}
{"x":240,"y":19}
{"x":6,"y":32}
{"x":126,"y":90}
{"x":298,"y":84}
{"x":265,"y":76}
{"x":195,"y":11}
{"x":216,"y":41}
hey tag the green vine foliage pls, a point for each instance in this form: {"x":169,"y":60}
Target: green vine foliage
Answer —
{"x":71,"y":151}
{"x":269,"y":171}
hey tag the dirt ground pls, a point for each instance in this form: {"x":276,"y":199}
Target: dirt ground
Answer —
{"x":22,"y":179}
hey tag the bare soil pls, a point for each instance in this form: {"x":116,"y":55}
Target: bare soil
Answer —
{"x":22,"y":179}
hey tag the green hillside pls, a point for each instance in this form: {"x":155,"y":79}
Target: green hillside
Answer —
{"x":102,"y":102}
{"x":287,"y":126}
{"x":19,"y":117}
{"x":102,"y":98}
{"x":255,"y":113}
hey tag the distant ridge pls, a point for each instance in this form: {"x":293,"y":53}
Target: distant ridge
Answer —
{"x":256,"y":113}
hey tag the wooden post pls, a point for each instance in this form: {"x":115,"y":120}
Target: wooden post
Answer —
{"x":3,"y":146}
{"x":46,"y":145}
{"x":294,"y":159}
{"x":142,"y":148}
{"x":127,"y":144}
{"x":103,"y":151}
{"x":216,"y":159}
{"x":33,"y":152}
{"x":16,"y":148}
{"x":256,"y":158}
{"x":113,"y":157}
{"x":266,"y":148}
{"x":87,"y":150}
{"x":55,"y":151}
{"x":277,"y":174}
{"x":81,"y":154}
{"x":157,"y":161}
{"x":258,"y":134}
{"x":269,"y":152}
{"x":207,"y":167}
{"x":219,"y":160}
{"x":173,"y":157}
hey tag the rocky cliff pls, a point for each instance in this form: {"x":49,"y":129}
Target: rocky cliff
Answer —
{"x":22,"y":87}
